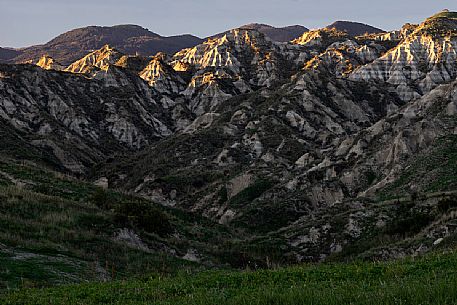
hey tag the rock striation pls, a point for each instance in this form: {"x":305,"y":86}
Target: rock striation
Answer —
{"x":300,"y":140}
{"x":422,"y":61}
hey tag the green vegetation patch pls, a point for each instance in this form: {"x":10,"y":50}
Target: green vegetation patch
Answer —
{"x":189,"y":180}
{"x":46,"y":182}
{"x":40,"y":225}
{"x":143,"y":215}
{"x":431,"y":280}
{"x":69,"y":228}
{"x":251,"y":193}
{"x":26,"y":269}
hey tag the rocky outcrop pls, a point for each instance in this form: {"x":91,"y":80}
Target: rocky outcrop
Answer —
{"x":97,"y":60}
{"x":48,"y":63}
{"x":293,"y":139}
{"x":283,"y":34}
{"x":321,"y":39}
{"x":398,"y":35}
{"x":342,"y":58}
{"x":425,"y":59}
{"x":76,"y":114}
{"x":162,"y":77}
{"x":265,"y":131}
{"x":231,"y":52}
{"x":238,"y":62}
{"x":133,"y":63}
{"x":386,"y":146}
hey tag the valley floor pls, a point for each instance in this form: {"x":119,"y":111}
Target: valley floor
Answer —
{"x":428,"y":280}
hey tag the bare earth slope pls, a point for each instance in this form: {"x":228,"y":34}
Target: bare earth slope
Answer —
{"x":305,"y":143}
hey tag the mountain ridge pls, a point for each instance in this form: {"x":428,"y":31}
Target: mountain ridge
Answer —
{"x":7,"y":54}
{"x":131,"y":39}
{"x":281,"y":34}
{"x":354,"y":28}
{"x":328,"y":147}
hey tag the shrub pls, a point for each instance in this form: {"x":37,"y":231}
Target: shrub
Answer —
{"x":408,"y":220}
{"x":190,"y":180}
{"x":371,"y":176}
{"x":143,"y":215}
{"x":223,"y":195}
{"x":252,"y":192}
{"x":447,"y":204}
{"x":102,"y":199}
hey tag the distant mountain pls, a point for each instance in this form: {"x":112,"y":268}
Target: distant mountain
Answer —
{"x":7,"y":54}
{"x":130,"y":39}
{"x":283,"y":34}
{"x":354,"y":28}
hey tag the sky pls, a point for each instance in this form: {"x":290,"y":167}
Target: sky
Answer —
{"x":29,"y":22}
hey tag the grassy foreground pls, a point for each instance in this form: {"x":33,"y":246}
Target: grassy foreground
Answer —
{"x":428,"y":280}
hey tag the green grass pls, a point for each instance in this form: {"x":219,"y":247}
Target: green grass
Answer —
{"x":63,"y":229}
{"x":53,"y":232}
{"x":48,"y":240}
{"x":430,"y":280}
{"x":25,"y":269}
{"x":56,"y":230}
{"x":251,"y":193}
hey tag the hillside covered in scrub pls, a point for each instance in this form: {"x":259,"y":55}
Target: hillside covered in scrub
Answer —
{"x":234,"y":165}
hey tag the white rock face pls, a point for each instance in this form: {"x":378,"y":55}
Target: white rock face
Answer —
{"x":48,"y":63}
{"x":308,"y":128}
{"x":321,"y":38}
{"x":100,"y":59}
{"x":231,"y":52}
{"x":227,"y":217}
{"x":102,"y":182}
{"x":237,"y":184}
{"x":205,"y":92}
{"x":81,"y":111}
{"x":202,"y":122}
{"x":239,"y":62}
{"x":399,"y":35}
{"x":162,"y":77}
{"x":386,"y":145}
{"x":342,"y":57}
{"x":192,"y":256}
{"x":418,"y":64}
{"x":131,"y":239}
{"x":438,"y":241}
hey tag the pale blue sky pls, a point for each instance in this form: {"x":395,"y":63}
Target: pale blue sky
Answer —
{"x":27,"y":22}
